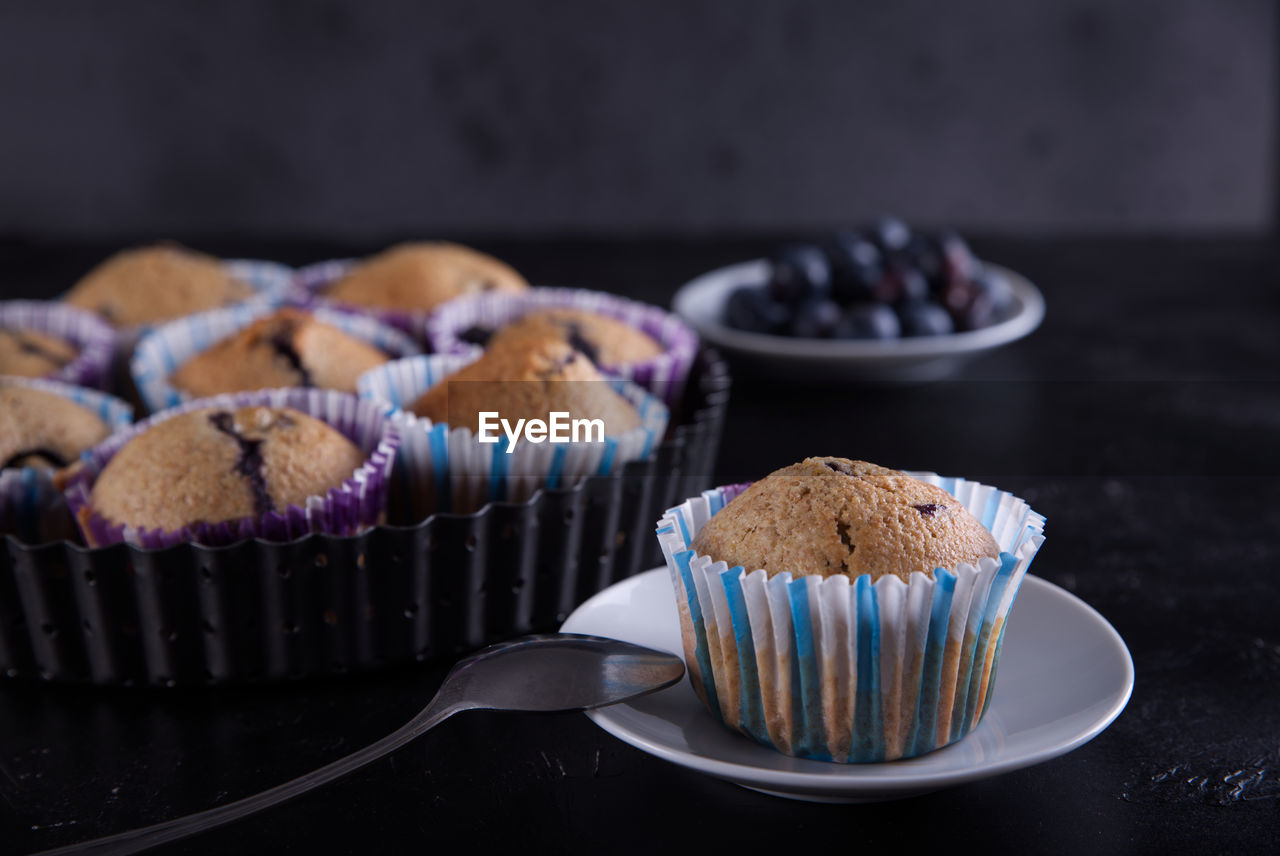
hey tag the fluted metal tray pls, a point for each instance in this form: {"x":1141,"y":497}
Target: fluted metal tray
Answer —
{"x":323,"y":606}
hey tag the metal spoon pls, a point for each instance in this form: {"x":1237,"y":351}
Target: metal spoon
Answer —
{"x":554,"y":672}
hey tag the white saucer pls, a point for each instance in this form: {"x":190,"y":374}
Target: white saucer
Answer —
{"x":1064,"y":675}
{"x":701,"y":301}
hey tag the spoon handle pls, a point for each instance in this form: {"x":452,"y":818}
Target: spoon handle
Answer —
{"x":137,"y":840}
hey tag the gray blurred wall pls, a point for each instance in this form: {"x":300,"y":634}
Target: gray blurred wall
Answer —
{"x":355,"y":120}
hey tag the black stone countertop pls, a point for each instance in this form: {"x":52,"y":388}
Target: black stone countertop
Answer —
{"x":1143,"y":420}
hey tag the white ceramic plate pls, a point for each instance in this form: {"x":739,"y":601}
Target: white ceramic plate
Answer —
{"x":1064,"y":676}
{"x":701,"y":303}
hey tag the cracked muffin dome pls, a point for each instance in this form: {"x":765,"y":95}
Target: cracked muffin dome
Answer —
{"x":213,"y":465}
{"x":32,"y":353}
{"x":527,"y":380}
{"x":419,"y":276}
{"x":44,"y":430}
{"x":286,"y":348}
{"x":605,"y":341}
{"x":828,"y":516}
{"x":156,"y":283}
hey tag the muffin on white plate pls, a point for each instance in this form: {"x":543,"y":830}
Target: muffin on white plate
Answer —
{"x":842,"y":611}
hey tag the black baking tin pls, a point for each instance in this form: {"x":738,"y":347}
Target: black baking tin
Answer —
{"x":324,"y":605}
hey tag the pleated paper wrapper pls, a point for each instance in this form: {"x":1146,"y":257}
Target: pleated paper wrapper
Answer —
{"x":164,"y":349}
{"x":31,"y":505}
{"x":93,"y":338}
{"x":354,"y":506}
{"x":442,"y":468}
{"x":845,"y":670}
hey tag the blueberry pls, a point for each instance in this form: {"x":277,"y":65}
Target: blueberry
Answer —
{"x":815,"y":318}
{"x":924,"y":318}
{"x":911,"y":285}
{"x":856,"y":267}
{"x":977,"y":313}
{"x":476,"y":335}
{"x":749,"y":308}
{"x":799,"y":271}
{"x":958,"y":260}
{"x":924,"y":254}
{"x":890,"y":234}
{"x":998,"y":291}
{"x":869,"y":321}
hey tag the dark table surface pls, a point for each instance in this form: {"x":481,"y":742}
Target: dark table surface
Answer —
{"x":1142,"y":419}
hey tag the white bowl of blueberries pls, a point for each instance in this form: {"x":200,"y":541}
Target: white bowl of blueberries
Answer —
{"x":878,"y":304}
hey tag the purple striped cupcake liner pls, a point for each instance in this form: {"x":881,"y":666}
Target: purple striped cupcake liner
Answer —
{"x":310,"y":283}
{"x":161,"y":351}
{"x":356,"y":505}
{"x":32,"y":507}
{"x":849,"y":670}
{"x":93,"y":338}
{"x":664,"y":375}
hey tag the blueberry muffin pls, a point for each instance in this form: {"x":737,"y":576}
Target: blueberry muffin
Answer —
{"x":32,"y":353}
{"x":527,"y":380}
{"x":605,"y":341}
{"x":828,"y":516}
{"x":156,"y":283}
{"x":213,"y":465}
{"x":841,"y":611}
{"x":417,"y":277}
{"x":289,"y":347}
{"x":44,"y":430}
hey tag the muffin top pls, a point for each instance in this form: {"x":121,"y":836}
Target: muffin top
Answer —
{"x":32,"y":353}
{"x":527,"y":379}
{"x":212,"y":465}
{"x":419,"y":276}
{"x":157,"y":283}
{"x":286,"y":348}
{"x":44,"y":430}
{"x":605,"y":341}
{"x":828,"y":516}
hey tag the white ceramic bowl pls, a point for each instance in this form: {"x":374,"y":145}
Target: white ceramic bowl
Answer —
{"x":908,"y":360}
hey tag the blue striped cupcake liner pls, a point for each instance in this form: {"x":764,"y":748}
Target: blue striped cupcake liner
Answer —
{"x":31,"y":505}
{"x":161,"y":351}
{"x":354,"y":506}
{"x":93,"y":338}
{"x":664,"y":375}
{"x":440,"y":468}
{"x":846,"y":670}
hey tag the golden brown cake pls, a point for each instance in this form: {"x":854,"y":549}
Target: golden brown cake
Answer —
{"x":416,"y":277}
{"x":527,"y":380}
{"x":605,"y":341}
{"x":212,"y":465}
{"x":43,"y":429}
{"x":829,"y":516}
{"x":31,"y":353}
{"x":156,"y":283}
{"x":286,"y":348}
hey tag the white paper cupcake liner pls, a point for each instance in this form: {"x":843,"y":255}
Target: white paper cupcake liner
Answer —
{"x":354,"y":506}
{"x":31,"y":506}
{"x":663,"y":375}
{"x":440,"y":468}
{"x":92,"y":337}
{"x":849,"y":671}
{"x":163,"y":350}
